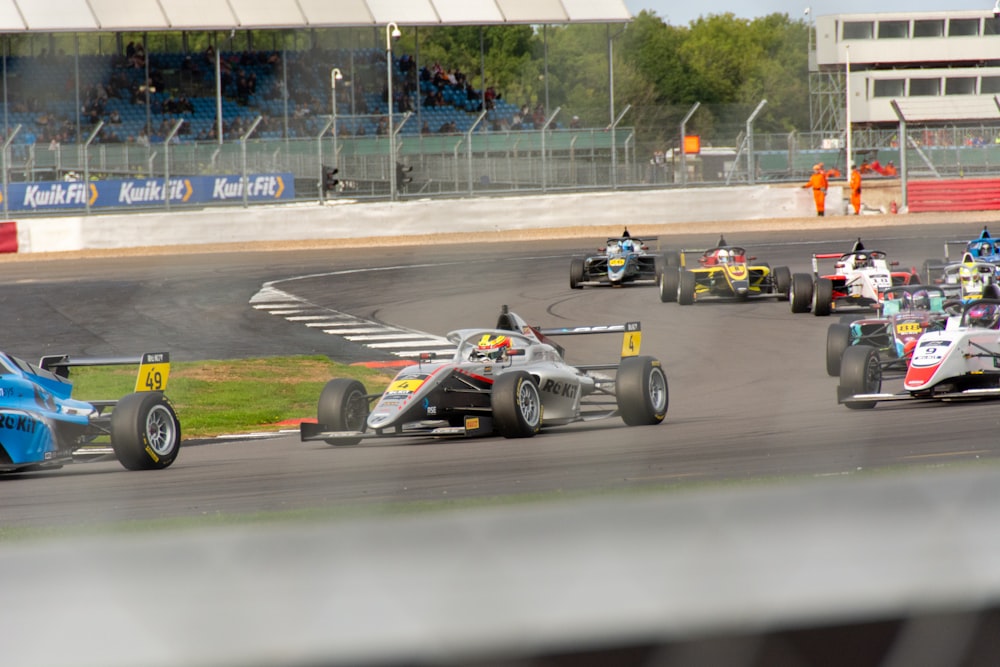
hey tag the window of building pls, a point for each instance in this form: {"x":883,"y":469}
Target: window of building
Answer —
{"x":963,"y":27}
{"x":893,"y":29}
{"x":991,"y":26}
{"x":960,"y":85}
{"x":928,"y":28}
{"x":889,"y":88}
{"x":921,"y":87}
{"x":989,"y":85}
{"x":858,"y":30}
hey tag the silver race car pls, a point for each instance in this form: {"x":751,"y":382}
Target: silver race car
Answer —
{"x":510,"y":380}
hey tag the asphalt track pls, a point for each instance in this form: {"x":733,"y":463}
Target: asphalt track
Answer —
{"x":749,"y":396}
{"x":750,"y":402}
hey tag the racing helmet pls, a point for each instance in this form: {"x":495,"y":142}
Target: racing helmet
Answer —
{"x":493,"y":348}
{"x":723,"y":256}
{"x":983,"y":315}
{"x":921,"y":300}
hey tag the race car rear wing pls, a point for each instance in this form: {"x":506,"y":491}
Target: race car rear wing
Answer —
{"x":154,"y":367}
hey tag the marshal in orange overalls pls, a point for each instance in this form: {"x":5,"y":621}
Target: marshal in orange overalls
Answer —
{"x":819,"y":184}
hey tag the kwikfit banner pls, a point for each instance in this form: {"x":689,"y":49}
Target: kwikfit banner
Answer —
{"x":146,"y":192}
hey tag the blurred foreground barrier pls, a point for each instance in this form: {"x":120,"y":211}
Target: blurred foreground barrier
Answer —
{"x":967,"y":194}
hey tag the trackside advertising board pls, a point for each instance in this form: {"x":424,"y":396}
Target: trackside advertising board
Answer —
{"x":145,"y":192}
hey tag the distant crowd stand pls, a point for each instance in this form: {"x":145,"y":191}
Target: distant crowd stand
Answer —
{"x":140,"y":96}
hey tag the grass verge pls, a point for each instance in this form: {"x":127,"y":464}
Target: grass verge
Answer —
{"x":236,"y":396}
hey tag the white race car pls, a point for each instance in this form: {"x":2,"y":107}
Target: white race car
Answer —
{"x":509,"y":380}
{"x":959,"y":363}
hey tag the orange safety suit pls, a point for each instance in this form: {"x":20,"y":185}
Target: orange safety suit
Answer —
{"x":819,"y":184}
{"x":855,"y":183}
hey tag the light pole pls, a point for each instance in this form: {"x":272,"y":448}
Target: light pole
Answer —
{"x":335,"y":76}
{"x":391,"y":33}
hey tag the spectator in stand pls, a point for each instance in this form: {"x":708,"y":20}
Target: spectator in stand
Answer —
{"x":489,"y":98}
{"x":425,"y":128}
{"x":575,"y":123}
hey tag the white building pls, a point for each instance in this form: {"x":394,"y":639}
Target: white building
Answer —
{"x":938,"y":67}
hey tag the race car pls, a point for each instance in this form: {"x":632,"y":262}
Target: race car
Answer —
{"x":724,"y":271}
{"x":857,"y":283}
{"x":906,"y":313}
{"x":968,"y":280}
{"x":983,"y":248}
{"x":624,"y":260}
{"x":42,"y":427}
{"x":961,"y":362}
{"x":510,"y":380}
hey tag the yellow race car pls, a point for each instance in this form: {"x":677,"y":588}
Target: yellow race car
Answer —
{"x":724,"y":271}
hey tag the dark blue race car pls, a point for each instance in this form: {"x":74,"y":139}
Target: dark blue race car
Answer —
{"x":43,"y":427}
{"x":624,"y":260}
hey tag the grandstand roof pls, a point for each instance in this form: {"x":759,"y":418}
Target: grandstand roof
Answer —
{"x":43,"y":16}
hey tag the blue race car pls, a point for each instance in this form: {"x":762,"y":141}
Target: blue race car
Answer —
{"x":43,"y":427}
{"x":623,"y":260}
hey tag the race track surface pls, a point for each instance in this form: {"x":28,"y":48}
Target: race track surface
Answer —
{"x":750,"y":401}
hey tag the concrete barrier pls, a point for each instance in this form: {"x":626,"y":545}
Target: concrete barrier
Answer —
{"x":347,"y":219}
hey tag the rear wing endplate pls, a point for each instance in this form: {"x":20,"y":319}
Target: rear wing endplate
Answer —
{"x":154,"y":367}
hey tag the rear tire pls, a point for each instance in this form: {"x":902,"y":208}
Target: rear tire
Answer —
{"x":782,"y":280}
{"x":838,"y":339}
{"x":801,"y":293}
{"x":860,"y":373}
{"x":641,"y":391}
{"x":685,"y":289}
{"x":145,"y":432}
{"x":517,"y":405}
{"x":823,"y":297}
{"x":669,"y":284}
{"x":576,"y":273}
{"x":343,"y":406}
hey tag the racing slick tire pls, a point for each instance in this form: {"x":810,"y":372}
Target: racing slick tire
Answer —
{"x":517,"y":405}
{"x":801,"y":293}
{"x":822,"y":297}
{"x":641,"y":391}
{"x":782,"y":282}
{"x":669,"y":283}
{"x":685,"y":288}
{"x":576,"y":273}
{"x":145,"y":431}
{"x":860,"y":373}
{"x":838,"y":339}
{"x":343,"y":406}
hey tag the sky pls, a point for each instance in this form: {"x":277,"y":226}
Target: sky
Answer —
{"x":682,"y":12}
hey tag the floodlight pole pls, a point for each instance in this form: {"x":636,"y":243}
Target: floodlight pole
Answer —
{"x":902,"y":152}
{"x":335,"y":76}
{"x":243,"y":149}
{"x":750,"y":169}
{"x":6,"y":164}
{"x":86,"y":165}
{"x":847,"y":108}
{"x":391,"y":32}
{"x":684,"y":172}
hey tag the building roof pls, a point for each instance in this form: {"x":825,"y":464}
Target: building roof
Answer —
{"x":26,"y":16}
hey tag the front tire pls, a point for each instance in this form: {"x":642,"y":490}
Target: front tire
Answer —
{"x":669,"y":284}
{"x":576,"y":273}
{"x":782,"y":280}
{"x":823,"y":297}
{"x":641,"y":391}
{"x":343,"y":406}
{"x":838,"y":339}
{"x":145,"y":431}
{"x":860,"y":373}
{"x":801,"y":293}
{"x":517,"y":405}
{"x":685,"y":290}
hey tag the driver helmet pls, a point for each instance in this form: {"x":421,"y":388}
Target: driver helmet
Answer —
{"x":921,"y":300}
{"x":723,"y":256}
{"x":628,"y":245}
{"x":984,"y":315}
{"x":493,"y":348}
